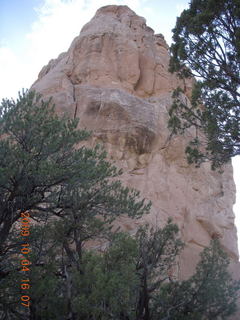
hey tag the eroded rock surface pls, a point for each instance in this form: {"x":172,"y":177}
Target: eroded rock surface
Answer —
{"x":115,"y":78}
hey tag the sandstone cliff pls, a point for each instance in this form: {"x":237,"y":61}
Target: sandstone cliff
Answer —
{"x":115,"y":78}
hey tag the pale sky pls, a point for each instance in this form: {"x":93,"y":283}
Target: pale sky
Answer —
{"x":32,"y":32}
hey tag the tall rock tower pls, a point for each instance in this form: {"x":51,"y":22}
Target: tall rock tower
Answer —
{"x":115,"y":79}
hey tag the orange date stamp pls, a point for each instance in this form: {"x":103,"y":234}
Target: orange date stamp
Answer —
{"x":25,"y":262}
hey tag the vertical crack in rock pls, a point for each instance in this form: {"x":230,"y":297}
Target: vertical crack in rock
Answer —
{"x":75,"y":101}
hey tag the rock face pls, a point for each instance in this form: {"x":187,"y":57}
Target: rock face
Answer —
{"x":115,"y":78}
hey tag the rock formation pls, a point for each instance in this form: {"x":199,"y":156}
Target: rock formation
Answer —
{"x":115,"y":79}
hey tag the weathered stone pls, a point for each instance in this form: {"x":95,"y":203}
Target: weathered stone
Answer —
{"x":115,"y":79}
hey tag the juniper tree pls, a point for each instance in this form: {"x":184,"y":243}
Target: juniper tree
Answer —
{"x":44,"y":171}
{"x":81,"y":267}
{"x":210,"y":293}
{"x":206,"y":45}
{"x":131,"y":278}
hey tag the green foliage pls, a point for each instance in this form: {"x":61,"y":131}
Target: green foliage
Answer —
{"x":43,"y":169}
{"x":157,"y":253}
{"x":104,"y":288}
{"x":82,"y":267}
{"x":209,"y":294}
{"x":129,"y":278}
{"x":207,"y":46}
{"x":109,"y":282}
